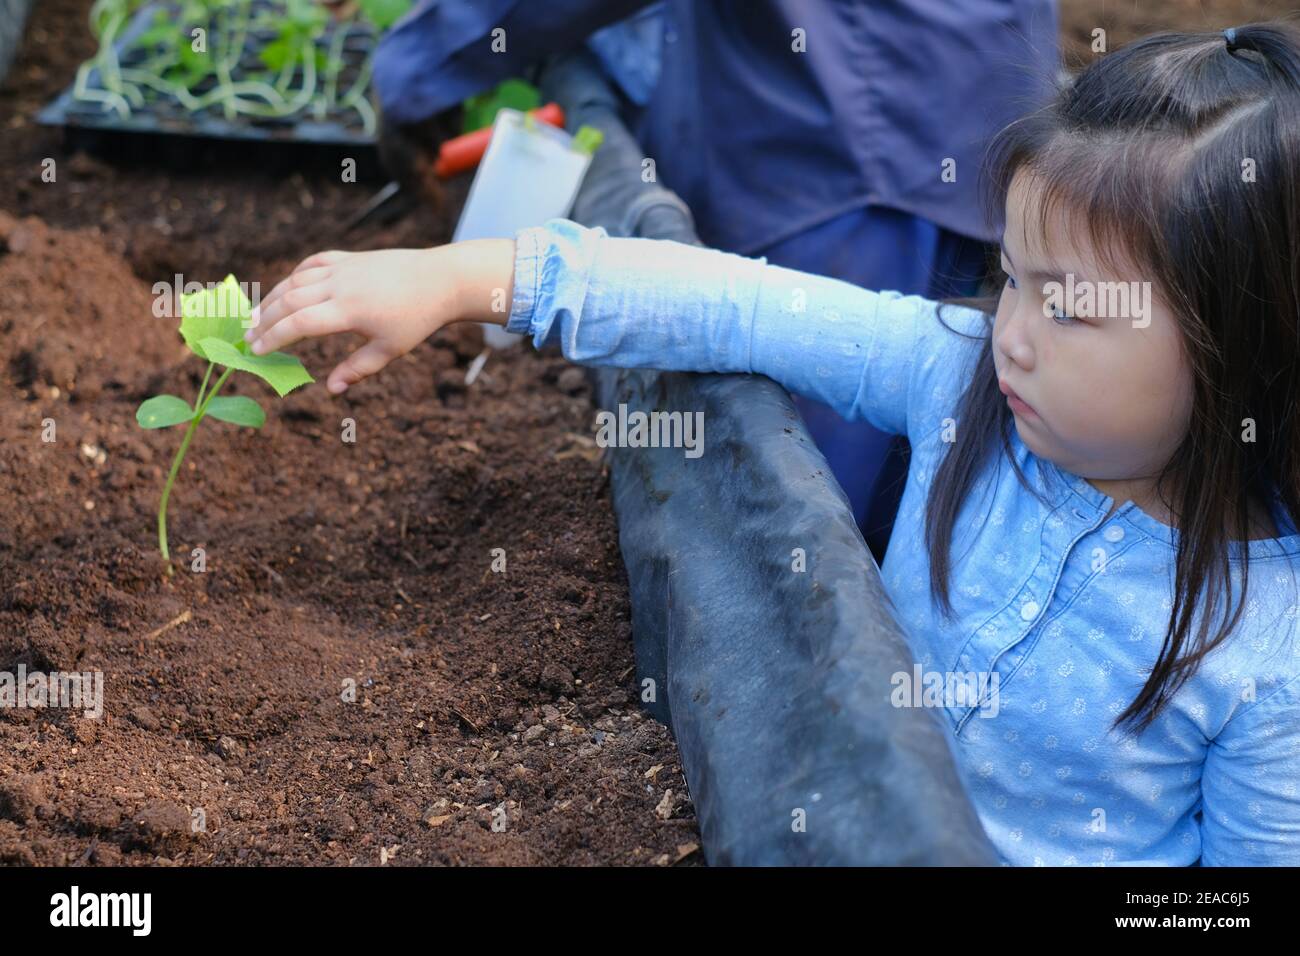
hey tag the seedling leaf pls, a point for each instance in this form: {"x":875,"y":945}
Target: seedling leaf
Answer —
{"x":194,"y":65}
{"x":384,"y":13}
{"x":282,"y":371}
{"x":220,"y":313}
{"x":238,"y":410}
{"x":306,"y":17}
{"x":163,"y":411}
{"x":276,"y":54}
{"x":162,"y":32}
{"x":515,"y":94}
{"x":588,"y":139}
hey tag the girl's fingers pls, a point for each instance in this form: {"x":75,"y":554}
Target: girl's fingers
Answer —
{"x":324,"y":318}
{"x":367,"y":360}
{"x":293,"y":280}
{"x":311,"y":270}
{"x":291,"y":302}
{"x":328,"y":258}
{"x":271,"y":310}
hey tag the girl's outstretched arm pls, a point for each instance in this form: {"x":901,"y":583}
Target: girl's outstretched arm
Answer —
{"x":635,"y":303}
{"x":644,"y":303}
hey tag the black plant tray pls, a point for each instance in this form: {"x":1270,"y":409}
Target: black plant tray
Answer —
{"x":163,"y":115}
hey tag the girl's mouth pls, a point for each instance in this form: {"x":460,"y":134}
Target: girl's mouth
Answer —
{"x":1018,"y":404}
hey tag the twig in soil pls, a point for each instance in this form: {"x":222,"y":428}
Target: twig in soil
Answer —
{"x":686,"y":849}
{"x":85,"y":857}
{"x":476,"y":366}
{"x":275,"y":575}
{"x":378,"y":200}
{"x":469,"y":723}
{"x":404,"y":596}
{"x":575,"y":445}
{"x":178,"y":620}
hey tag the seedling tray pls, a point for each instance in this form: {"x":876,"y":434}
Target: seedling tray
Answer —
{"x":341,"y":123}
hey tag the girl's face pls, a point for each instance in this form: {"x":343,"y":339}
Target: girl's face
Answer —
{"x":1098,"y":356}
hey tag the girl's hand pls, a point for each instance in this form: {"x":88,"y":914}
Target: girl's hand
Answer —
{"x":394,"y":298}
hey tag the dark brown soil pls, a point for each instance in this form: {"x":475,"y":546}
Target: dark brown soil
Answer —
{"x":480,"y":698}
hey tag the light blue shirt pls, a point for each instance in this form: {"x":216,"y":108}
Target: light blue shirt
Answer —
{"x":1062,"y":607}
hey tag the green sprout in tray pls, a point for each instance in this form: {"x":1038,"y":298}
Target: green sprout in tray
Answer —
{"x":201,"y":54}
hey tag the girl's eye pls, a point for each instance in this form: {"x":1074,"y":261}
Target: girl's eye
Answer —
{"x":1011,"y":281}
{"x":1061,"y":317}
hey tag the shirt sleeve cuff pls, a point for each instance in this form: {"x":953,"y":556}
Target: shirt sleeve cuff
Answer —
{"x":528,"y":270}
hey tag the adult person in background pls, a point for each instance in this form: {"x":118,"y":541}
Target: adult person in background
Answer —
{"x":841,"y":137}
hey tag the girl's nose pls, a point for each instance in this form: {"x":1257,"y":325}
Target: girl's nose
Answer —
{"x":1012,"y":340}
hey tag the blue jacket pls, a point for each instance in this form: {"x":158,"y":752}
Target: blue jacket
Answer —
{"x":883,"y":95}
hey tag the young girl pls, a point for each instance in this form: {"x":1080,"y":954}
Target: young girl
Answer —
{"x":1104,"y":464}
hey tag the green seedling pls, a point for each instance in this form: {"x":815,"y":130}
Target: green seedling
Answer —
{"x":384,"y":13}
{"x":212,"y":324}
{"x":300,"y":26}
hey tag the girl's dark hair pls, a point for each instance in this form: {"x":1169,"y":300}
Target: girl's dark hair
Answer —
{"x":1181,"y":152}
